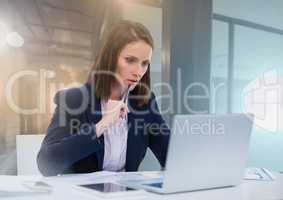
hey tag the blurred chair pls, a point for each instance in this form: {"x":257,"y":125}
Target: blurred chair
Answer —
{"x":27,"y":148}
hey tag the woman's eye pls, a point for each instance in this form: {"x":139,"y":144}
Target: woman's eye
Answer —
{"x":130,"y":60}
{"x":146,"y":64}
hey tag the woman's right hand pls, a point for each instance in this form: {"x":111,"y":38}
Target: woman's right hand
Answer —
{"x":114,"y":112}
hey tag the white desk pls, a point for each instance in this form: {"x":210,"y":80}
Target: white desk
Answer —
{"x":249,"y":190}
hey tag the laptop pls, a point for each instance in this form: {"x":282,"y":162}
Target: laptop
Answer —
{"x":205,"y":152}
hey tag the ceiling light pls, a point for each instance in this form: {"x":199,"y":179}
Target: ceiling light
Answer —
{"x":14,"y":39}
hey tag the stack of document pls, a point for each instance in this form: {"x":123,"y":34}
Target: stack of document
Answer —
{"x":101,"y":177}
{"x":80,"y":179}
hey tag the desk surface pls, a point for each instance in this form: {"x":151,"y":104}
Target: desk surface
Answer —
{"x":248,"y":190}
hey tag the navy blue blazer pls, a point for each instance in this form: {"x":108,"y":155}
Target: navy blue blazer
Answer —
{"x":71,"y":145}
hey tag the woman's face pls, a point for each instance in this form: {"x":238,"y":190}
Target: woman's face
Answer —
{"x":133,"y":63}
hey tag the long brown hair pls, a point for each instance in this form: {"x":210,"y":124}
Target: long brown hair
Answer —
{"x":121,"y":34}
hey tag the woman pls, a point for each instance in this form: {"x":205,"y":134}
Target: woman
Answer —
{"x":108,"y":123}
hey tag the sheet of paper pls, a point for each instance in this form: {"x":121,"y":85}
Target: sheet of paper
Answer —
{"x":253,"y":173}
{"x":139,"y":176}
{"x":16,"y":185}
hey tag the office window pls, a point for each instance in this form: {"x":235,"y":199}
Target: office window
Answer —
{"x":219,"y":67}
{"x":259,"y":57}
{"x":255,"y":69}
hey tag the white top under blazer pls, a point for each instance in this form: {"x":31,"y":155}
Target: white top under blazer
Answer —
{"x":115,"y":144}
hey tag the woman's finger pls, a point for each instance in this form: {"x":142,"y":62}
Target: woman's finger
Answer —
{"x":125,"y":107}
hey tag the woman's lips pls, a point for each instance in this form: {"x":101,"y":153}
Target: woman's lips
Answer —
{"x":132,"y":81}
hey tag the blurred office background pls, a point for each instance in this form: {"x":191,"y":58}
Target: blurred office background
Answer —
{"x":225,"y":45}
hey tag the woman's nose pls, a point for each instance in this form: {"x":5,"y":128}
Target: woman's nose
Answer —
{"x":137,"y":75}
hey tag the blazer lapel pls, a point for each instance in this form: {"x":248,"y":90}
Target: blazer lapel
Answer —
{"x":131,"y":154}
{"x":94,"y":115}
